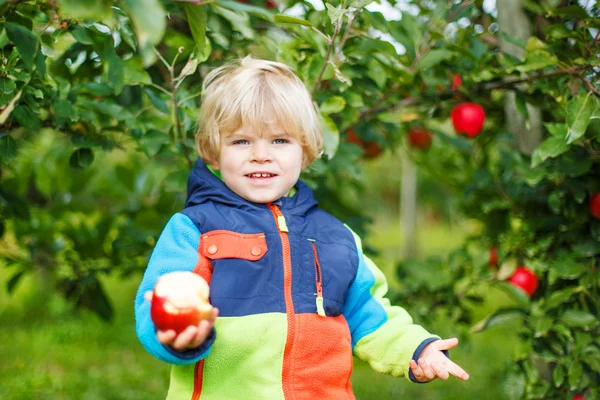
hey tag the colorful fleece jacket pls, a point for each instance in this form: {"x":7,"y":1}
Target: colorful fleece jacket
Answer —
{"x":297,"y":299}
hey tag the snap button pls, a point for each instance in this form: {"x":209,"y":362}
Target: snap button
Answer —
{"x":256,"y":251}
{"x":212,"y":249}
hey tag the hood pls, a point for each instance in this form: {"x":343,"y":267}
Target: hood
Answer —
{"x":204,"y":186}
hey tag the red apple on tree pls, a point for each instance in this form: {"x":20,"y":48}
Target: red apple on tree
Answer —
{"x":419,"y":138}
{"x":180,"y":299}
{"x":371,"y":149}
{"x":468,"y":119}
{"x":578,"y":396}
{"x":595,"y":205}
{"x":493,"y":256}
{"x":524,"y":279}
{"x":456,"y":82}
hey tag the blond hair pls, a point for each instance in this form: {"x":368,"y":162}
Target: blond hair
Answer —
{"x":241,"y":93}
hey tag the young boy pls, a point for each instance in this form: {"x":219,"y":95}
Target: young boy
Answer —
{"x":296,"y":297}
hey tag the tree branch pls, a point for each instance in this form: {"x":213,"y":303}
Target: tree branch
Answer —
{"x":418,"y":57}
{"x":485,"y":86}
{"x":330,"y":47}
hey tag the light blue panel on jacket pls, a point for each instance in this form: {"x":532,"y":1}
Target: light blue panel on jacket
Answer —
{"x":176,"y":250}
{"x":363,"y":312}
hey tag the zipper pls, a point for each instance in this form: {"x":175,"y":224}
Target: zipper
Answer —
{"x":198,"y":369}
{"x":289,"y":303}
{"x":319,"y":280}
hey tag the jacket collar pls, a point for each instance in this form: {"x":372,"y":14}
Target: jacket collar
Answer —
{"x":203,"y":186}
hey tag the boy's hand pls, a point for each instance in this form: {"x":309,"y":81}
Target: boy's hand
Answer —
{"x":433,"y":363}
{"x":191,"y":337}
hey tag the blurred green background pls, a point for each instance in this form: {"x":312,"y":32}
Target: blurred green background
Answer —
{"x":52,"y":351}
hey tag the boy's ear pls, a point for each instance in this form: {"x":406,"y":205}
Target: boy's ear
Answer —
{"x":214,"y":164}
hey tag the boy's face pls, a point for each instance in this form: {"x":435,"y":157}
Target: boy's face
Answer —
{"x":261,"y":167}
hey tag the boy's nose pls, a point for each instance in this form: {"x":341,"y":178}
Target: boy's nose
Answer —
{"x":261,"y":152}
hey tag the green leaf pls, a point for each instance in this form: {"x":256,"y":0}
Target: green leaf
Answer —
{"x":561,"y":296}
{"x":27,"y":118}
{"x":24,"y":39}
{"x":586,"y":248}
{"x":376,"y":72}
{"x":134,"y":73}
{"x":360,"y":3}
{"x":116,"y":72}
{"x":286,"y":19}
{"x":566,"y":267}
{"x":81,"y":158}
{"x":95,"y":299}
{"x":558,"y":375}
{"x":331,"y":136}
{"x":412,"y":29}
{"x":556,"y":129}
{"x":8,"y":147}
{"x":550,"y":148}
{"x":12,"y":282}
{"x":153,"y":141}
{"x":7,"y":86}
{"x":335,"y":13}
{"x":499,"y":318}
{"x":239,"y":21}
{"x":433,"y":58}
{"x":579,"y":113}
{"x":578,"y":319}
{"x":517,"y":294}
{"x":94,"y":10}
{"x":537,"y":60}
{"x":247,"y":8}
{"x":197,"y":18}
{"x":542,"y":325}
{"x":149,"y":22}
{"x":160,"y":104}
{"x":333,"y":105}
{"x":570,"y":11}
{"x":513,"y":386}
{"x":575,"y":372}
{"x":175,"y":182}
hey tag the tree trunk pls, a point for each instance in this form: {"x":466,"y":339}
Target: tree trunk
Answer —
{"x":408,"y":208}
{"x":514,"y":22}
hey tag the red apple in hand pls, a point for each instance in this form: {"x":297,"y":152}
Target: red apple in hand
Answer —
{"x":595,"y":205}
{"x":524,"y":279}
{"x":180,"y":299}
{"x":467,"y":119}
{"x":419,"y":138}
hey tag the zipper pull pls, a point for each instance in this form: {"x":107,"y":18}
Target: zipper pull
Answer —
{"x":279,"y":218}
{"x":320,"y":307}
{"x":281,"y":223}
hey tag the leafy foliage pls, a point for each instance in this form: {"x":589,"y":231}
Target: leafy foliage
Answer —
{"x":99,"y":109}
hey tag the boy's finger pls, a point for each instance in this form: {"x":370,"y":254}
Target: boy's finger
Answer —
{"x":427,"y":371}
{"x":202,"y":333}
{"x":440,"y":371}
{"x":148,"y":296}
{"x":184,"y":338}
{"x":416,"y":370}
{"x":446,"y":344}
{"x":166,"y":337}
{"x":457,"y":371}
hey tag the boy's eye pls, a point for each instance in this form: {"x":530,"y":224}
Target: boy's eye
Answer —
{"x":280,"y":141}
{"x":241,"y":141}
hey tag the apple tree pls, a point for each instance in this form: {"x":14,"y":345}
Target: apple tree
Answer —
{"x":99,"y":110}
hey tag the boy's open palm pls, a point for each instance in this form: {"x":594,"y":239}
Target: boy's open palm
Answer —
{"x":433,"y":363}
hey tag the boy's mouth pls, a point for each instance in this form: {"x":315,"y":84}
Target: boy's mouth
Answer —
{"x":261,"y":175}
